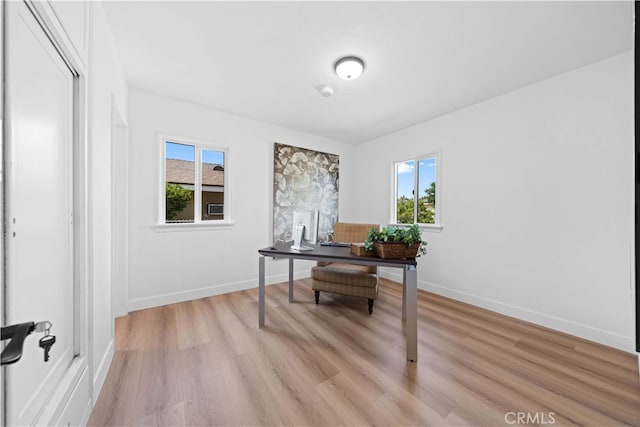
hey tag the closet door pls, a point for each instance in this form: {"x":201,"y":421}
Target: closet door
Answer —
{"x":39,"y":252}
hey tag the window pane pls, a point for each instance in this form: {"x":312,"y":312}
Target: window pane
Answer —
{"x":427,"y":191}
{"x":405,"y":172}
{"x":180,"y":176}
{"x":212,"y":185}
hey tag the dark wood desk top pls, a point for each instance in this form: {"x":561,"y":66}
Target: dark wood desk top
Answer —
{"x":332,"y":253}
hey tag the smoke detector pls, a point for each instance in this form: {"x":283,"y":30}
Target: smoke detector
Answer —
{"x":326,"y":91}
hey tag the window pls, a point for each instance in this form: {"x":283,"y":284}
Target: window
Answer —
{"x":194,"y":183}
{"x":416,"y":191}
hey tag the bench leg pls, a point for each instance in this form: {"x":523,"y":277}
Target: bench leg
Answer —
{"x":317,"y":297}
{"x":370,"y":306}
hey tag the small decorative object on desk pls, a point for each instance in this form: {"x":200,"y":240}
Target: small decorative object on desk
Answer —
{"x":359,"y":249}
{"x":396,"y":242}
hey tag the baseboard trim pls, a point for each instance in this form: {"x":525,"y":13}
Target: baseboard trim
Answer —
{"x":103,"y":368}
{"x":587,"y":332}
{"x":172,"y":298}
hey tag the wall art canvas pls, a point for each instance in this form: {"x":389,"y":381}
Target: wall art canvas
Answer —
{"x":304,"y":180}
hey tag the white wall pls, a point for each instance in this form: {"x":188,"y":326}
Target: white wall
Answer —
{"x":537,"y":201}
{"x":171,"y":266}
{"x":107,"y":86}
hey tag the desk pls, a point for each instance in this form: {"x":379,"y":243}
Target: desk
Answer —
{"x":343,"y":254}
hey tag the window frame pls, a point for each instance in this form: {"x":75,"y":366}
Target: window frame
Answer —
{"x":437,"y":225}
{"x":197,"y":223}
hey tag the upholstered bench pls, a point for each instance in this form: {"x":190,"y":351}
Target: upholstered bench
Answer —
{"x":347,"y":279}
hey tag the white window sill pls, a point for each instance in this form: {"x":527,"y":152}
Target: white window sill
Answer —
{"x":434,"y":228}
{"x":209,"y":225}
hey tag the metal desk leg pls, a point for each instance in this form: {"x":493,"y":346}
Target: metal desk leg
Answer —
{"x":411,"y":292}
{"x":404,"y":294}
{"x":260,"y":292}
{"x":290,"y":279}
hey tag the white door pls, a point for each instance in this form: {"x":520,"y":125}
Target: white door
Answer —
{"x":39,"y":201}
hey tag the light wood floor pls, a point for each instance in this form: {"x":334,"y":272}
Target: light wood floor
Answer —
{"x":205,"y":362}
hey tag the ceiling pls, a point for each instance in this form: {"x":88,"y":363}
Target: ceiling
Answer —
{"x":266,"y":60}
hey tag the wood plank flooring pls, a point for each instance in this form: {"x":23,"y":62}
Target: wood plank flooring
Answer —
{"x":206,"y":363}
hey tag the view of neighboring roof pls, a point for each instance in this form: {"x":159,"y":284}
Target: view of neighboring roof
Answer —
{"x":183,"y":172}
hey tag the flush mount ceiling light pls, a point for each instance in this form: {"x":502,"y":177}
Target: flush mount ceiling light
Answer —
{"x":349,"y":67}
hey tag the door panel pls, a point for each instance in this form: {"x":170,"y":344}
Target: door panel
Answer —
{"x":39,"y":195}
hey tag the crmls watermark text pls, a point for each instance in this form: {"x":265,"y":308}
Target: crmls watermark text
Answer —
{"x":540,"y":418}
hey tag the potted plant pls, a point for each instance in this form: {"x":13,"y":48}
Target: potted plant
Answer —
{"x":396,"y":242}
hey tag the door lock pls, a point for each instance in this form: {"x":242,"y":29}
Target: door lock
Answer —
{"x":18,"y":333}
